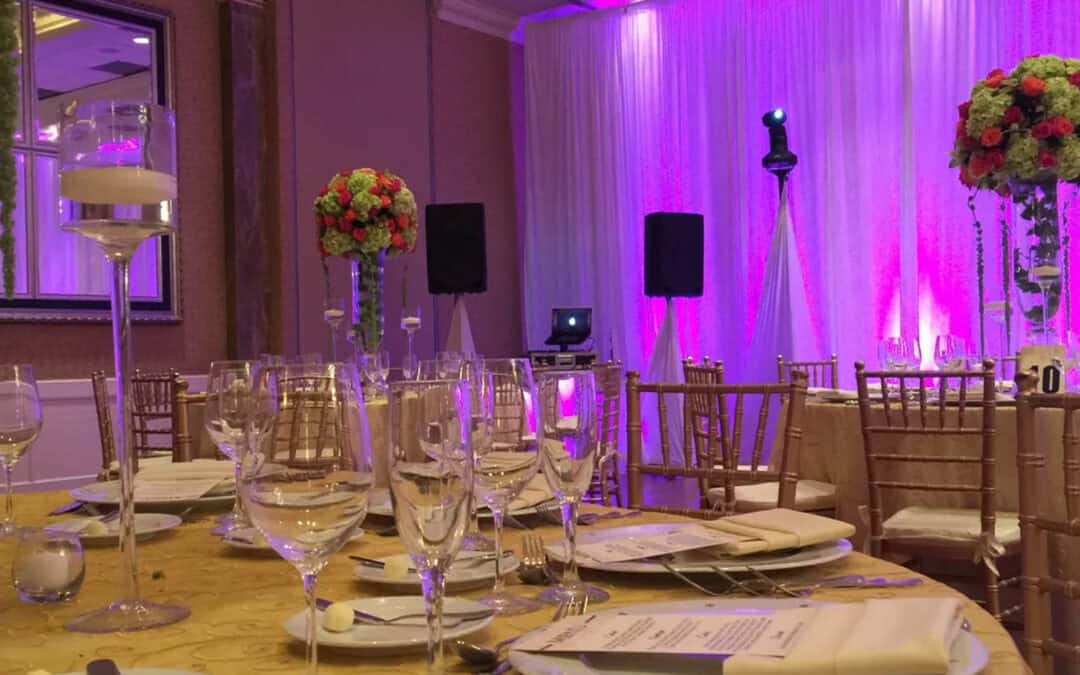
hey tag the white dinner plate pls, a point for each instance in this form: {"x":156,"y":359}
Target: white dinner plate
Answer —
{"x":146,"y":525}
{"x":700,"y":561}
{"x":259,"y":544}
{"x":460,"y":577}
{"x":969,"y":656}
{"x":108,"y":493}
{"x":379,"y":505}
{"x":390,"y":637}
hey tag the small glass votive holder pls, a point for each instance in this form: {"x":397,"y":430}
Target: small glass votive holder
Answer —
{"x":48,"y":565}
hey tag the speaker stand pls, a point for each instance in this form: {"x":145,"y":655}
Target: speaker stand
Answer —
{"x":666,"y":366}
{"x":460,"y":338}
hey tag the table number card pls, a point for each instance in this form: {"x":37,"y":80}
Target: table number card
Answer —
{"x":760,"y":634}
{"x":1048,"y":363}
{"x":648,"y":545}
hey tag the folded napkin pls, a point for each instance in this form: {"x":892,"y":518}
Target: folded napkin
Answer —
{"x":778,"y":529}
{"x":199,"y":469}
{"x":896,"y":636}
{"x":144,"y":462}
{"x":536,"y":491}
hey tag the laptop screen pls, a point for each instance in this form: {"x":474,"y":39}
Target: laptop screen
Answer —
{"x":571,"y":325}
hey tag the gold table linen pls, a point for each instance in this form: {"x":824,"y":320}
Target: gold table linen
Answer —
{"x":240,"y":599}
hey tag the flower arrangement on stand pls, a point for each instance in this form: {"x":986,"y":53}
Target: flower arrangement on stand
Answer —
{"x":1017,"y":136}
{"x":364,"y":215}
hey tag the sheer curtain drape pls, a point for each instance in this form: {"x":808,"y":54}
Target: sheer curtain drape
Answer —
{"x":658,"y":107}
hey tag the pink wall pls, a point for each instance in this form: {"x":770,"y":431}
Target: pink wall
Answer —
{"x":361,"y":97}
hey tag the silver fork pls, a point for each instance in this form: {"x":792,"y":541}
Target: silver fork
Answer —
{"x":573,"y":606}
{"x":533,"y":561}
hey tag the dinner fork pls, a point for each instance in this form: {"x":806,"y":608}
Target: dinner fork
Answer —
{"x":573,"y":606}
{"x":533,"y":560}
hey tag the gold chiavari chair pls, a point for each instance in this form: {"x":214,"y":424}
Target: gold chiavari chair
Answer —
{"x":183,"y":446}
{"x":606,"y":486}
{"x":696,"y":406}
{"x":308,"y":426}
{"x":819,"y":373}
{"x":104,"y":420}
{"x":908,"y":413}
{"x":1038,"y":525}
{"x":151,"y":411}
{"x":716,"y":460}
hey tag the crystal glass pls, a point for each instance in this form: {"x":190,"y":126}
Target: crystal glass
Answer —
{"x":410,"y":323}
{"x":505,"y":455}
{"x":474,"y":372}
{"x":950,"y":352}
{"x":306,"y":487}
{"x":568,"y":449}
{"x":272,"y":360}
{"x":20,"y":422}
{"x":230,"y":410}
{"x":48,"y":565}
{"x":382,"y":369}
{"x":334,"y":316}
{"x":118,"y":169}
{"x":899,"y":353}
{"x":428,"y":369}
{"x":448,"y":364}
{"x":431,"y":485}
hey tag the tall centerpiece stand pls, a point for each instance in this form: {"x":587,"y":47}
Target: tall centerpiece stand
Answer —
{"x":118,"y":171}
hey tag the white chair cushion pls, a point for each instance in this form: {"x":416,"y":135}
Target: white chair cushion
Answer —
{"x":810,"y":495}
{"x":921,"y":522}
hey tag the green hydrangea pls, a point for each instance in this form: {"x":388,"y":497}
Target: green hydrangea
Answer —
{"x":1042,"y":67}
{"x":1062,"y":99}
{"x":328,"y":203}
{"x":404,"y":202}
{"x":1022,"y":157}
{"x":360,"y":182}
{"x":337,"y":242}
{"x":364,"y":201}
{"x":1068,"y":157}
{"x":987,"y":109}
{"x":377,"y":239}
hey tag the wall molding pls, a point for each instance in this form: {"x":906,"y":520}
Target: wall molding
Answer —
{"x":478,"y":16}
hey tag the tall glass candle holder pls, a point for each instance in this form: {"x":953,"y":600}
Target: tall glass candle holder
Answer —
{"x":118,"y":171}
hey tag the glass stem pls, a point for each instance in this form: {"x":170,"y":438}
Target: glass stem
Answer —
{"x":311,"y":659}
{"x":569,"y":521}
{"x":125,"y":457}
{"x":433,"y":581}
{"x":9,"y":501}
{"x":497,"y":521}
{"x":239,"y":516}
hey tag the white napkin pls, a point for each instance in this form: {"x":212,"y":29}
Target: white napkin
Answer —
{"x":778,"y":529}
{"x":535,"y":492}
{"x":197,"y":470}
{"x":896,"y":636}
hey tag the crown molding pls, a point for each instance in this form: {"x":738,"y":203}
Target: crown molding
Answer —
{"x":478,"y":16}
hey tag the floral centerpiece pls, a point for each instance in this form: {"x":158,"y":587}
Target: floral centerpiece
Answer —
{"x":364,"y":215}
{"x":1017,"y":135}
{"x":9,"y":97}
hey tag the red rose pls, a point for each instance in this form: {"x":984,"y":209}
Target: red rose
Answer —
{"x":323,"y":190}
{"x":965,"y":177}
{"x":1047,"y":159}
{"x":964,"y":108}
{"x":995,"y":78}
{"x":374,"y":189}
{"x":398,"y":241}
{"x":350,"y":215}
{"x":373,"y":212}
{"x":339,"y":186}
{"x":359,"y":234}
{"x":403,"y":220}
{"x":1042,"y":130}
{"x":1075,"y":78}
{"x":1032,"y":85}
{"x":395,"y":185}
{"x":328,"y":219}
{"x":1062,"y":126}
{"x":344,"y":197}
{"x":996,"y":159}
{"x":386,"y":201}
{"x":978,"y":166}
{"x":991,"y":137}
{"x":344,"y":225}
{"x":961,"y":128}
{"x":1013,"y":115}
{"x":969,"y":143}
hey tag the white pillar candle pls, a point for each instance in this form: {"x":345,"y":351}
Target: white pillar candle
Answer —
{"x":44,"y":571}
{"x":117,"y":185}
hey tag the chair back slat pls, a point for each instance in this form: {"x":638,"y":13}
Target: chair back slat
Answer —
{"x":715,"y":460}
{"x":104,"y":420}
{"x":151,"y":410}
{"x":822,"y":373}
{"x":606,"y":486}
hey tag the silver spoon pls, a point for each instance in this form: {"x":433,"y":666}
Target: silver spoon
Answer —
{"x":475,"y":655}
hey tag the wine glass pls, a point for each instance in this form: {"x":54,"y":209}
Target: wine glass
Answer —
{"x":229,"y":412}
{"x":306,"y":488}
{"x":950,"y":352}
{"x":505,"y":457}
{"x":568,"y":447}
{"x":334,"y":316}
{"x":20,"y":423}
{"x":382,"y":369}
{"x":410,"y":323}
{"x":431,"y":485}
{"x":448,"y":365}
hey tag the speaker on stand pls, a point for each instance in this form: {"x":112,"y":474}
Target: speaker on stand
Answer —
{"x":456,"y":263}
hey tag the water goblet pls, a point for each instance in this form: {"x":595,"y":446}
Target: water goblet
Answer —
{"x":334,"y":316}
{"x":431,"y":485}
{"x":950,"y":352}
{"x":448,"y":365}
{"x":306,"y":490}
{"x":48,"y":565}
{"x":382,"y":370}
{"x":20,"y":423}
{"x":568,"y":442}
{"x":230,"y":409}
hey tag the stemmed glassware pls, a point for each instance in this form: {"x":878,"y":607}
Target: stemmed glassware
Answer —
{"x":950,"y":352}
{"x":229,"y":413}
{"x":505,"y":456}
{"x":448,"y":365}
{"x":900,"y":353}
{"x":334,"y":315}
{"x":118,"y":177}
{"x":20,"y":422}
{"x":306,"y":488}
{"x":431,"y":485}
{"x":410,"y":323}
{"x":568,"y":448}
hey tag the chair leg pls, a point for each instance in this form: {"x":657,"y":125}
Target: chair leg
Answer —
{"x":993,"y":592}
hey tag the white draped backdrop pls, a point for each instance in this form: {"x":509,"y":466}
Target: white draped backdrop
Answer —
{"x":658,"y":107}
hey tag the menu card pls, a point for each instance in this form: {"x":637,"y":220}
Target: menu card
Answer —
{"x":173,"y":491}
{"x":766,"y":633}
{"x":649,"y":545}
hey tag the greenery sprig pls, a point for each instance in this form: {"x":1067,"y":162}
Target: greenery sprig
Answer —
{"x":9,"y":95}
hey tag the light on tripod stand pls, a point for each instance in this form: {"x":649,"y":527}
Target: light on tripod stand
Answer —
{"x":780,"y":159}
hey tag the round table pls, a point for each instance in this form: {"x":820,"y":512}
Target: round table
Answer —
{"x":240,"y":599}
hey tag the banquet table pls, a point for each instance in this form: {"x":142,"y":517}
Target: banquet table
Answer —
{"x":240,"y":599}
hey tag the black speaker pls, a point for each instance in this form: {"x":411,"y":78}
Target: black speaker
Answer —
{"x":456,"y":253}
{"x":674,"y":254}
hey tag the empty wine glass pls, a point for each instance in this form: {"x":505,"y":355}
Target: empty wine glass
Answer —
{"x":899,"y":353}
{"x":306,"y":488}
{"x":448,"y":365}
{"x":334,"y":316}
{"x":474,"y":373}
{"x":230,"y":410}
{"x":20,"y":423}
{"x":431,"y":485}
{"x":505,"y":456}
{"x":950,"y":352}
{"x":382,"y":369}
{"x":568,"y":448}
